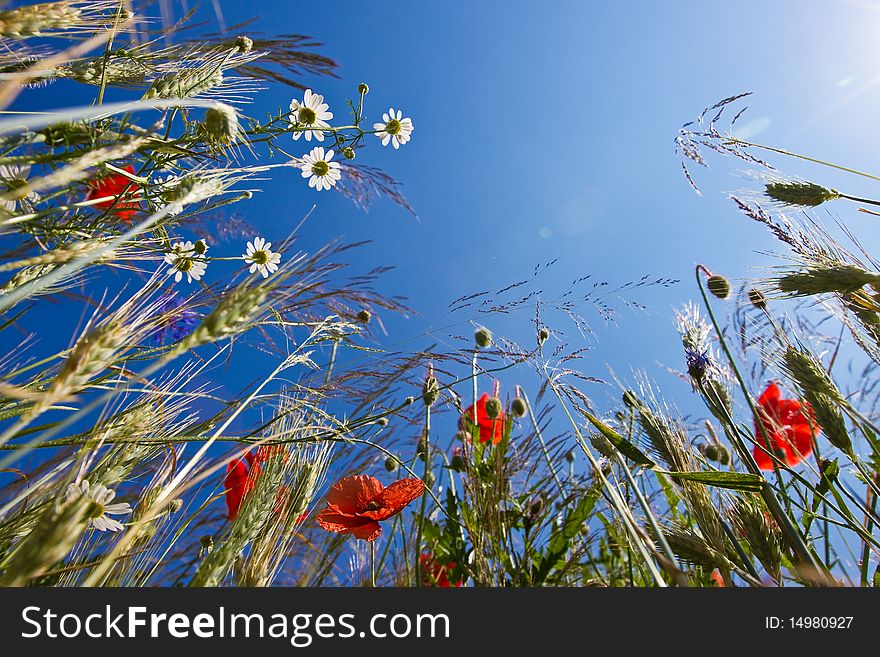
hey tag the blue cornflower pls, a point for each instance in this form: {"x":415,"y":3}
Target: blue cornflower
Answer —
{"x":697,"y":362}
{"x":175,"y":322}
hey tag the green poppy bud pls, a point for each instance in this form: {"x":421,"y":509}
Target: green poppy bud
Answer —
{"x":719,"y":286}
{"x":493,"y":408}
{"x":518,"y":407}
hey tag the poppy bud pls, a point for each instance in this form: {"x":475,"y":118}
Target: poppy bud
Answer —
{"x":364,"y":316}
{"x":493,"y":408}
{"x":200,"y":247}
{"x":629,"y":399}
{"x":430,"y":391}
{"x":710,"y":451}
{"x":348,"y":153}
{"x":391,"y":464}
{"x":543,"y":334}
{"x":363,"y":89}
{"x":409,"y":401}
{"x":382,"y":421}
{"x":483,"y":337}
{"x":518,"y":407}
{"x":569,"y":456}
{"x":719,"y":286}
{"x":757,"y":299}
{"x":457,"y":463}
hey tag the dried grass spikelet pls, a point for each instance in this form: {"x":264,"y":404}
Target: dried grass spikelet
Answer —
{"x":809,"y":374}
{"x":118,"y":71}
{"x":98,"y":348}
{"x":54,"y":536}
{"x":232,"y":315}
{"x":79,"y":168}
{"x":835,"y":278}
{"x":821,"y":394}
{"x":689,"y":546}
{"x":305,"y":468}
{"x":199,"y":73}
{"x":35,"y":20}
{"x":59,"y":255}
{"x":799,"y":193}
{"x":255,"y":515}
{"x":752,"y":521}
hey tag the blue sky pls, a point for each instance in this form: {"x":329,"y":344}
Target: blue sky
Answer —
{"x":544,"y":131}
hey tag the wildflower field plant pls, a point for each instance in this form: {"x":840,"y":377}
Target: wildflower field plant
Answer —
{"x":475,"y":461}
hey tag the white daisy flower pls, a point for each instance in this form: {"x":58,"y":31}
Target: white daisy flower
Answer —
{"x":261,"y":258}
{"x":318,"y":168}
{"x":310,"y":113}
{"x":396,"y":129}
{"x":185,"y":261}
{"x":14,"y":188}
{"x":100,"y":496}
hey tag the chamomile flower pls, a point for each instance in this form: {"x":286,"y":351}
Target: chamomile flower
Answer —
{"x":395,"y":128}
{"x":319,"y":168}
{"x":310,"y":113}
{"x":261,"y":258}
{"x":100,"y":496}
{"x":184,"y":260}
{"x":14,"y":188}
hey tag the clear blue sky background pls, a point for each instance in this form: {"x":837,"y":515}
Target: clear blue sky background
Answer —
{"x":545,"y":131}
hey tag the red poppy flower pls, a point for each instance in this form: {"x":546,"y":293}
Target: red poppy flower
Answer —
{"x":239,"y":481}
{"x":789,"y":424}
{"x":489,"y":429}
{"x":435,"y":574}
{"x":717,"y":579}
{"x":355,"y":505}
{"x":120,"y":188}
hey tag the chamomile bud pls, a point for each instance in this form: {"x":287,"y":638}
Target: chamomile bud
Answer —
{"x":200,"y":247}
{"x":364,"y":316}
{"x":363,"y":89}
{"x":243,"y":44}
{"x":348,"y":153}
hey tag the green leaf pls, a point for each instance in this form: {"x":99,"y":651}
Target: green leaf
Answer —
{"x":623,"y":445}
{"x":561,"y":537}
{"x":730,"y":480}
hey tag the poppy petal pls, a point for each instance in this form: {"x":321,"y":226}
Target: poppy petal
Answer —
{"x":352,"y":494}
{"x":333,"y":520}
{"x":393,"y":499}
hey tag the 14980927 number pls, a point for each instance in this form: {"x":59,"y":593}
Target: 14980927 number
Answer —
{"x":820,"y":622}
